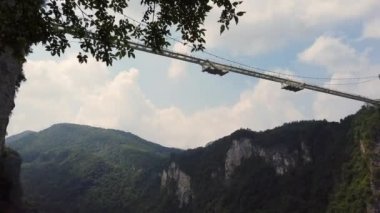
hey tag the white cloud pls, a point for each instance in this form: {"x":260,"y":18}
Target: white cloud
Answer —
{"x":66,"y":91}
{"x":271,"y":25}
{"x":372,"y":29}
{"x":53,"y":92}
{"x":177,"y":69}
{"x":258,"y":108}
{"x":327,"y":12}
{"x":335,"y":55}
{"x":341,"y":60}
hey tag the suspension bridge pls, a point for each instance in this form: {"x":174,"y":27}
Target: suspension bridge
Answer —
{"x":217,"y":68}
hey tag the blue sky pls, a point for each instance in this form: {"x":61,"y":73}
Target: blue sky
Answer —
{"x":173,"y":103}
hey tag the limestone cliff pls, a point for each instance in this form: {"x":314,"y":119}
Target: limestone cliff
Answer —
{"x":182,"y":182}
{"x":281,"y":160}
{"x":238,"y":151}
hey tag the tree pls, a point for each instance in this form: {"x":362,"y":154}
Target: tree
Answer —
{"x":101,"y":28}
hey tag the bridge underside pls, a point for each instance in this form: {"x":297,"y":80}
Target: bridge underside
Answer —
{"x":213,"y":70}
{"x":293,"y":88}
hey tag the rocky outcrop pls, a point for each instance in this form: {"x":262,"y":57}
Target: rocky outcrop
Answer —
{"x":238,"y":151}
{"x":279,"y":159}
{"x":11,"y":75}
{"x":182,"y":182}
{"x":10,"y":78}
{"x":305,"y":153}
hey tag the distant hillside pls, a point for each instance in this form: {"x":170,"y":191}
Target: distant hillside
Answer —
{"x":74,"y":168}
{"x":18,"y":136}
{"x":307,"y":166}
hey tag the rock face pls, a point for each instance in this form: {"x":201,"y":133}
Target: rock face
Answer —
{"x":305,"y":153}
{"x":238,"y":151}
{"x":11,"y":76}
{"x":182,"y":182}
{"x":279,"y":159}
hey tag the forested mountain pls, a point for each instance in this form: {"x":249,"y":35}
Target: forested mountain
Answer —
{"x":306,"y":166}
{"x":73,"y":168}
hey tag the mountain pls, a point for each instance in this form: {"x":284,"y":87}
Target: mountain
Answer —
{"x":18,"y":136}
{"x":74,"y":168}
{"x":306,"y":166}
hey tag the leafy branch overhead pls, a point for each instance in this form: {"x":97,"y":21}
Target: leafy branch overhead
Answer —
{"x":102,"y":28}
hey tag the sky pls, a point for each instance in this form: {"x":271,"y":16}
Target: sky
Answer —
{"x":173,"y":103}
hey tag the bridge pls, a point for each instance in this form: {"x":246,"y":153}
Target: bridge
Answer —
{"x":222,"y":69}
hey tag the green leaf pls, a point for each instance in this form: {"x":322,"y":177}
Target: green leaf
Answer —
{"x":236,"y":19}
{"x":240,"y":13}
{"x":222,"y":28}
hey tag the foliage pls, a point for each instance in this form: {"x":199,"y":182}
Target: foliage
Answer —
{"x":101,"y":27}
{"x":21,"y":25}
{"x":353,"y":194}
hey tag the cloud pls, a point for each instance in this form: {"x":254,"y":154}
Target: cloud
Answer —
{"x":261,"y":107}
{"x":341,"y":60}
{"x":53,"y":92}
{"x":335,"y":55}
{"x":65,"y":91}
{"x":271,"y":25}
{"x":177,"y":69}
{"x":318,"y":13}
{"x":372,"y":29}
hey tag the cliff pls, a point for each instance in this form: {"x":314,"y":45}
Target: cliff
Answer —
{"x":307,"y":166}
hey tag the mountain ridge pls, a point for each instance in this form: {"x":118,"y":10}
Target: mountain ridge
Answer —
{"x":298,"y":167}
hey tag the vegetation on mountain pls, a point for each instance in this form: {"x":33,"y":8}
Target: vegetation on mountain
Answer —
{"x":307,"y":166}
{"x":72,"y":168}
{"x":336,"y":179}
